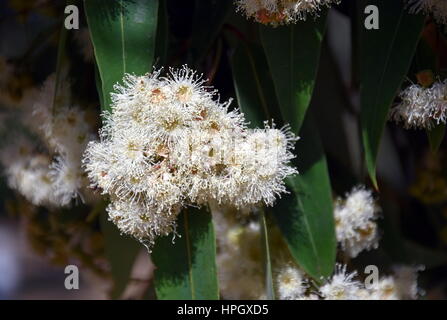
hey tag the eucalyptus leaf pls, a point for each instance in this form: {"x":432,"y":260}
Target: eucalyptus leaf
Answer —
{"x":123,"y":35}
{"x":305,"y":215}
{"x":293,"y":54}
{"x":385,"y":56}
{"x":186,"y":266}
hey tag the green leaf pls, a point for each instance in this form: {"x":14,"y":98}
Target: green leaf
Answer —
{"x":293,"y":53}
{"x":254,"y":86}
{"x":121,"y":252}
{"x":186,"y":269}
{"x":305,"y":216}
{"x":385,"y":56}
{"x":123,"y":35}
{"x":270,"y":290}
{"x":257,"y":100}
{"x":99,"y":87}
{"x":162,"y":41}
{"x":62,"y":66}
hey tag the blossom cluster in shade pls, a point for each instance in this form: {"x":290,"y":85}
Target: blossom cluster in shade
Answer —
{"x":52,"y":175}
{"x":436,"y":8}
{"x":421,"y":107}
{"x":355,"y":224}
{"x":242,"y":276}
{"x":239,"y":255}
{"x":292,"y":284}
{"x":402,"y":285}
{"x":169,"y":143}
{"x":279,"y":12}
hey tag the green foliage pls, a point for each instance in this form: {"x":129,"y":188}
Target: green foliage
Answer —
{"x":294,"y":67}
{"x":186,"y":265}
{"x":274,"y":71}
{"x":305,"y":216}
{"x":123,"y":36}
{"x":266,"y":248}
{"x":385,"y":57}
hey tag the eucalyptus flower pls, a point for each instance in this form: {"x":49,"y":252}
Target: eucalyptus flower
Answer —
{"x":169,"y":143}
{"x":279,"y":12}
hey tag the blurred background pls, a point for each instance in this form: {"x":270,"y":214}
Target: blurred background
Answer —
{"x":36,"y":242}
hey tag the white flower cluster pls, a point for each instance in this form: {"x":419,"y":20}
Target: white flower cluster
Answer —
{"x":438,"y":8}
{"x":355,"y":224}
{"x":343,"y":286}
{"x":239,"y":256}
{"x":291,"y":283}
{"x":422,"y":107}
{"x":278,"y":12}
{"x":168,"y":143}
{"x":52,"y":178}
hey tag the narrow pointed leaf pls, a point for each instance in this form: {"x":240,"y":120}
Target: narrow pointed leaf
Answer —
{"x":62,"y":66}
{"x":254,"y":86}
{"x":293,"y":53}
{"x":186,"y":269}
{"x":270,"y":289}
{"x":123,"y":35}
{"x":385,"y":56}
{"x":257,"y":100}
{"x":305,"y":216}
{"x":121,"y":252}
{"x":162,"y":41}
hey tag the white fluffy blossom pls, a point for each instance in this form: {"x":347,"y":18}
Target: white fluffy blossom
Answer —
{"x":278,"y":12}
{"x":406,"y":279}
{"x":239,"y":256}
{"x":28,"y":172}
{"x":57,"y":177}
{"x":402,"y":285}
{"x":341,"y":286}
{"x":355,"y":224}
{"x":384,"y":289}
{"x":422,"y":107}
{"x":437,"y":8}
{"x":169,"y":143}
{"x":290,"y":283}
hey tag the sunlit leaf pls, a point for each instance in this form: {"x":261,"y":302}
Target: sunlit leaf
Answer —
{"x":186,"y":267}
